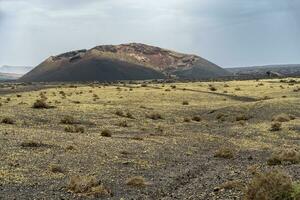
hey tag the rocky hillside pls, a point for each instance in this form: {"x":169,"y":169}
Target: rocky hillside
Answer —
{"x":123,"y":62}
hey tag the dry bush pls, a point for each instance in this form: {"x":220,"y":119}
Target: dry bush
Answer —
{"x":286,"y":156}
{"x":129,"y":115}
{"x":8,"y":120}
{"x":275,"y":126}
{"x":154,"y":116}
{"x":123,"y":124}
{"x":224,"y":152}
{"x":185,"y":103}
{"x":186,"y":119}
{"x":120,"y":113}
{"x":274,"y":185}
{"x":212,"y":88}
{"x":137,"y":181}
{"x":68,"y":120}
{"x":242,"y":117}
{"x":74,"y":129}
{"x":196,"y":118}
{"x":88,"y":186}
{"x":106,"y":133}
{"x":56,"y":169}
{"x":41,"y":104}
{"x":32,"y":144}
{"x":283,"y":118}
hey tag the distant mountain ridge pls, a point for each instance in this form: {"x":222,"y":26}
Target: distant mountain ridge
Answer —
{"x":15,"y":69}
{"x":9,"y":77}
{"x":132,"y":61}
{"x":284,"y":70}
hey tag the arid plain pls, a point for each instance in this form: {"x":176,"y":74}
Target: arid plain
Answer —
{"x":194,"y":140}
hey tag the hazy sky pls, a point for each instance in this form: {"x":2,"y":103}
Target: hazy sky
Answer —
{"x":227,"y":32}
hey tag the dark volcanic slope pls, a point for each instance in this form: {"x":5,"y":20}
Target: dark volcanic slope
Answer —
{"x":122,"y":62}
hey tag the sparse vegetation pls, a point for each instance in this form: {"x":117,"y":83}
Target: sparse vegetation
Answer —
{"x":8,"y":120}
{"x":147,"y":132}
{"x":137,"y":181}
{"x":106,"y":133}
{"x":88,"y":186}
{"x":197,"y":118}
{"x":41,"y":104}
{"x":74,"y":129}
{"x":275,"y":126}
{"x":224,"y":152}
{"x":287,"y":156}
{"x":68,"y":120}
{"x":272,"y":185}
{"x":154,"y":116}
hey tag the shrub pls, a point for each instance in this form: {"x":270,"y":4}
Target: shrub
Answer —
{"x":282,"y":118}
{"x":224,"y":152}
{"x":88,"y":186}
{"x":106,"y":133}
{"x":8,"y":120}
{"x":242,"y":117}
{"x":274,"y":185}
{"x":137,"y":181}
{"x":185,"y":103}
{"x":32,"y":144}
{"x":41,"y":104}
{"x":296,"y":191}
{"x":196,"y":118}
{"x":289,"y":156}
{"x":212,"y":88}
{"x":74,"y":129}
{"x":56,"y":169}
{"x":129,"y":115}
{"x":68,"y":120}
{"x":275,"y":126}
{"x":154,"y":116}
{"x":187,"y":119}
{"x":120,"y":113}
{"x":123,"y":124}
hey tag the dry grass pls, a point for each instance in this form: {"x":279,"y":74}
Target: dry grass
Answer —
{"x":225,"y":152}
{"x":74,"y":129}
{"x":286,"y":156}
{"x":270,"y":186}
{"x":137,"y":181}
{"x":88,"y":186}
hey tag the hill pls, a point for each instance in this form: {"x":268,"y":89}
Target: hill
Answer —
{"x":122,"y":62}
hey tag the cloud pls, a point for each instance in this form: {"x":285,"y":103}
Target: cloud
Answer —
{"x":229,"y":32}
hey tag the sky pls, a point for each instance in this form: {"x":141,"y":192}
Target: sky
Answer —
{"x":230,"y":33}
